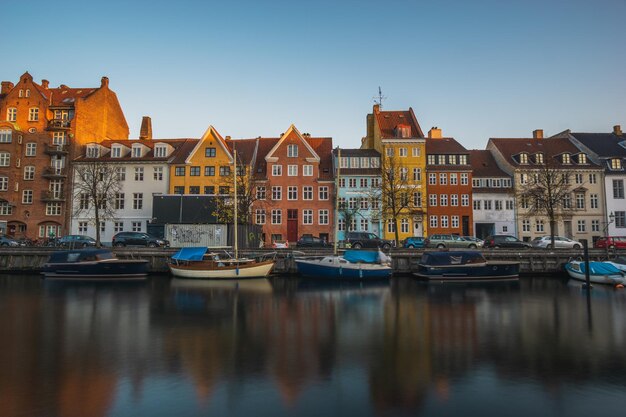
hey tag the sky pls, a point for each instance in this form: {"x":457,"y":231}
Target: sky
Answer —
{"x":475,"y":69}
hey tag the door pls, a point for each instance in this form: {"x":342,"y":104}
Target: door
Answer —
{"x":567,"y":224}
{"x":465,"y":223}
{"x":417,"y":229}
{"x":292,"y":225}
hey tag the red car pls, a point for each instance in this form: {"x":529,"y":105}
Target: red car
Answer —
{"x":614,"y":242}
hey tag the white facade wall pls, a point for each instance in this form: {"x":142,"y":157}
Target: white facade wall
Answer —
{"x":128,"y":218}
{"x":503,"y":220}
{"x":613,"y":205}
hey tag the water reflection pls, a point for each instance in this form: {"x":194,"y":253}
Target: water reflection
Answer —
{"x":289,"y":346}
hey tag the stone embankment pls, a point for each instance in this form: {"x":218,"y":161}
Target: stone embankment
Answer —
{"x":534,"y":262}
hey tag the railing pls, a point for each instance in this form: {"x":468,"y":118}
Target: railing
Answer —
{"x":59,"y":124}
{"x":47,"y":195}
{"x":56,"y":149}
{"x":54,"y":172}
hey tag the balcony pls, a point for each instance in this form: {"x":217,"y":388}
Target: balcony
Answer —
{"x":59,"y":124}
{"x":54,"y":173}
{"x":52,"y":196}
{"x":56,"y":149}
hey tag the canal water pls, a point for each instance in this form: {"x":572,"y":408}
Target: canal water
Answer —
{"x":290,"y":347}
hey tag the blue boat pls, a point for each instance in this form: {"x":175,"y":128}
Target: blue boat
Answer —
{"x":352,"y":265}
{"x":464,"y":266}
{"x":93,"y":265}
{"x":599,"y":272}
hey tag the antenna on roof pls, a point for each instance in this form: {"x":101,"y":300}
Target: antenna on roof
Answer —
{"x":379,"y":98}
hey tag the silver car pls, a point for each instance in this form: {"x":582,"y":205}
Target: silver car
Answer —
{"x":560,"y":242}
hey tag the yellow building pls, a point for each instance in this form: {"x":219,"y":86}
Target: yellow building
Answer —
{"x":207,"y":168}
{"x":398,"y":137}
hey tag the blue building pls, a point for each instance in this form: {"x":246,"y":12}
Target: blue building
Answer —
{"x":358,"y":175}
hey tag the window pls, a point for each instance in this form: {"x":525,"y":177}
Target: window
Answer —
{"x":11,"y":114}
{"x":33,"y":114}
{"x":509,"y":204}
{"x":194,"y":171}
{"x":566,"y":159}
{"x":455,"y":221}
{"x":391,"y":226}
{"x":53,"y":209}
{"x":618,"y":188}
{"x":431,"y":159}
{"x":463,"y":159}
{"x":365,"y":225}
{"x":136,"y":226}
{"x":432,"y":200}
{"x":465,"y":200}
{"x":580,"y":201}
{"x":292,"y":170}
{"x":498,"y":204}
{"x":540,"y":226}
{"x":223,"y":190}
{"x":454,"y":200}
{"x":292,"y":192}
{"x":260,"y":193}
{"x":579,"y":178}
{"x":292,"y":151}
{"x":323,"y":216}
{"x":5,"y":209}
{"x":307,"y":170}
{"x":402,"y":152}
{"x":582,"y":228}
{"x":209,"y":152}
{"x":27,"y":196}
{"x":404,"y":226}
{"x":277,"y":216}
{"x":417,"y":174}
{"x":365,"y":162}
{"x":389,"y":152}
{"x":620,"y":219}
{"x":158,"y":173}
{"x":277,"y":170}
{"x":443,"y":179}
{"x":160,"y":151}
{"x":539,"y":158}
{"x":31,"y":149}
{"x":82,"y":227}
{"x":224,"y":171}
{"x":444,"y":221}
{"x":523,"y":179}
{"x":417,"y":199}
{"x":432,"y":179}
{"x":307,"y":216}
{"x":443,"y":200}
{"x":452,"y":159}
{"x":139,"y":174}
{"x":488,"y":204}
{"x":209,"y":171}
{"x":404,"y":174}
{"x":277,"y":193}
{"x":5,"y":159}
{"x":525,"y":225}
{"x":433,"y":221}
{"x":194,"y":189}
{"x":441,"y":159}
{"x":179,"y":171}
{"x":593,"y":179}
{"x":307,"y":193}
{"x":416,"y":152}
{"x":137,"y":201}
{"x":464,"y":179}
{"x":259,"y":216}
{"x":363,"y":183}
{"x":179,"y":189}
{"x":476,"y":204}
{"x":120,"y":172}
{"x":119,"y":201}
{"x":523,"y":158}
{"x":354,"y":162}
{"x":4,"y":183}
{"x":616,"y":164}
{"x":567,"y":201}
{"x":6,"y":135}
{"x":593,"y":201}
{"x":29,"y":173}
{"x":323,"y":193}
{"x":582,"y":158}
{"x":118,"y":227}
{"x":595,"y":225}
{"x":352,"y":182}
{"x":209,"y":189}
{"x":343,"y":163}
{"x":83,"y":201}
{"x":453,"y":179}
{"x":136,"y":152}
{"x":341,"y":224}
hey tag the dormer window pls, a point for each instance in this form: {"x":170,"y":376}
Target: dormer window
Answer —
{"x":116,"y":152}
{"x":582,"y":158}
{"x":136,"y":152}
{"x":403,"y":131}
{"x":616,"y":164}
{"x":539,"y":158}
{"x":93,"y":151}
{"x":292,"y":151}
{"x":452,"y":159}
{"x":566,"y":159}
{"x":160,"y":151}
{"x":523,"y":158}
{"x":441,"y":159}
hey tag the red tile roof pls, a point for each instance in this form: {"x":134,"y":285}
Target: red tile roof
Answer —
{"x":323,"y":147}
{"x":484,"y":165}
{"x":182,"y":149}
{"x":389,"y":120}
{"x":447,"y":146}
{"x":551,"y":148}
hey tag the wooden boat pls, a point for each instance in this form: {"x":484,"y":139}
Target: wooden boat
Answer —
{"x":354,"y":264}
{"x":464,"y":266}
{"x":599,"y":272}
{"x":93,"y":265}
{"x":195,"y":262}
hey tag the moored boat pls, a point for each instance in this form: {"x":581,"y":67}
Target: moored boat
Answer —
{"x":619,"y":263}
{"x":93,"y":265}
{"x":195,"y":262}
{"x":353,"y":264}
{"x":599,"y":272}
{"x":464,"y":266}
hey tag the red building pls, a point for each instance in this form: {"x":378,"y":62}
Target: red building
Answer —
{"x":449,"y":176}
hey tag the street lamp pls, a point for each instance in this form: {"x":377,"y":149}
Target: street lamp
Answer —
{"x":606,"y":235}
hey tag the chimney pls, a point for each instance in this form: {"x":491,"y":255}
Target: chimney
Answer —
{"x":538,"y":134}
{"x":63,"y":87}
{"x":6,"y":87}
{"x":104,"y":82}
{"x":45,"y":84}
{"x":227,"y":137}
{"x":145,"y":133}
{"x":434,"y":133}
{"x":617,"y":130}
{"x":376,"y":108}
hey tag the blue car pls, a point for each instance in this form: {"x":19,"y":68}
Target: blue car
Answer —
{"x":414,"y":242}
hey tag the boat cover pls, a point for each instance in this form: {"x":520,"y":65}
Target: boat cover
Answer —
{"x":360,"y":256}
{"x":600,"y":268}
{"x":190,"y":254}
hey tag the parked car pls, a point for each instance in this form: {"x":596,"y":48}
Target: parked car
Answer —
{"x":311,"y":242}
{"x":474,"y":239}
{"x":138,"y":239}
{"x":613,"y":242}
{"x":450,"y":241}
{"x":505,"y":241}
{"x":76,"y":241}
{"x":358,"y":240}
{"x":8,"y":241}
{"x":280,"y":244}
{"x":414,"y":242}
{"x":560,"y":242}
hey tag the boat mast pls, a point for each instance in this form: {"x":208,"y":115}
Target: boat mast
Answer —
{"x":235,"y":205}
{"x":337,"y":200}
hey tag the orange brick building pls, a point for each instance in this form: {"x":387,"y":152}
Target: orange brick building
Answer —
{"x":449,"y":178}
{"x":41,"y":129}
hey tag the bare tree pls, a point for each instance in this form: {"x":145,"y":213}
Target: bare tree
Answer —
{"x":545,"y":190}
{"x":246,"y":196}
{"x":96,"y":186}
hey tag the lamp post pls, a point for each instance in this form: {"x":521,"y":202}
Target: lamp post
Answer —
{"x":606,"y":235}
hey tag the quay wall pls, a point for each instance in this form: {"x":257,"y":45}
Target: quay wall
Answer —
{"x":532,"y":262}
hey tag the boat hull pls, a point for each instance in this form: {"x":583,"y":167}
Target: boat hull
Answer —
{"x":315,"y":269}
{"x":116,"y":270}
{"x":208,"y":270}
{"x":575,"y":272}
{"x":470,"y":272}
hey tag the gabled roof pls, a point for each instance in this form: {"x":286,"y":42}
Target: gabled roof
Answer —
{"x":209,"y":134}
{"x":484,"y":165}
{"x":323,"y":148}
{"x":447,"y":146}
{"x":292,"y":129}
{"x":388,"y":121}
{"x":511,"y":148}
{"x":605,"y":145}
{"x":246,"y":150}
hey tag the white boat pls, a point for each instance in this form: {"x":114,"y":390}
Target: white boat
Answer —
{"x":196,"y":263}
{"x":599,"y":272}
{"x":619,"y":263}
{"x":354,"y":264}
